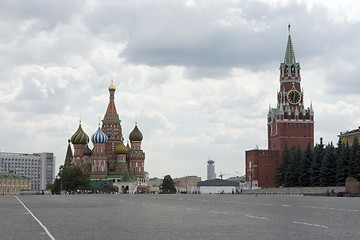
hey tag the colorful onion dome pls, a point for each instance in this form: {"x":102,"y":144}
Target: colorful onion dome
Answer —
{"x":87,"y":151}
{"x":112,"y":87}
{"x":99,"y":137}
{"x":121,"y":149}
{"x":79,"y":136}
{"x":136,"y":135}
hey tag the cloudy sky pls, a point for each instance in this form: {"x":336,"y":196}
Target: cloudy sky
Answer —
{"x":198,"y":76}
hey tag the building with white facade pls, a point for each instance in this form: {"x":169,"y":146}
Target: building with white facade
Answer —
{"x":217,"y":186}
{"x":211,"y":170}
{"x":39,"y":167}
{"x":186,"y":184}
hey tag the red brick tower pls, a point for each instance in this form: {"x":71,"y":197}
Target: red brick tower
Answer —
{"x":112,"y":128}
{"x":136,"y":156}
{"x":290,"y":123}
{"x":79,"y":140}
{"x":99,"y":159}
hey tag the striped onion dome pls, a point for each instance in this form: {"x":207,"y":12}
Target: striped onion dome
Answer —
{"x":79,"y":136}
{"x":99,"y":137}
{"x":121,"y":149}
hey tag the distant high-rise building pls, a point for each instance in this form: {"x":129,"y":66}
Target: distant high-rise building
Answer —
{"x":39,"y":167}
{"x":211,"y":170}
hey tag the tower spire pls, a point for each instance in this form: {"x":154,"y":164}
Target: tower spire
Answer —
{"x":289,"y":29}
{"x":111,"y":109}
{"x":68,"y":155}
{"x":289,"y":54}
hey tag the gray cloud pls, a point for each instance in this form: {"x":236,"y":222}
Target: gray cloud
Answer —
{"x":198,"y":78}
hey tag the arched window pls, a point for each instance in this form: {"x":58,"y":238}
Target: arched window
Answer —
{"x":292,"y":69}
{"x":286,"y":69}
{"x":301,"y":116}
{"x":286,"y":115}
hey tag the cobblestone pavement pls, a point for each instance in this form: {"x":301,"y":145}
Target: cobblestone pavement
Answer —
{"x":179,"y":217}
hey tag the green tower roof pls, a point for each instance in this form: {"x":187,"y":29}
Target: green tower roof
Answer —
{"x":289,"y":54}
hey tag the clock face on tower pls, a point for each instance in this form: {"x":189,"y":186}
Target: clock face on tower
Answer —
{"x":294,"y":97}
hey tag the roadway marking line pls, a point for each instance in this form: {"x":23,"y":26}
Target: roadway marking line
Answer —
{"x":311,"y":224}
{"x":257,"y":217}
{"x":42,"y":225}
{"x":334,"y":209}
{"x":284,"y":205}
{"x":219,"y":212}
{"x":195,"y":209}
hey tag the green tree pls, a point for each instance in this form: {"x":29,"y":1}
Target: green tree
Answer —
{"x":282,"y":169}
{"x":316,"y":164}
{"x":328,"y":167}
{"x":71,"y":178}
{"x":292,"y":173}
{"x":354,"y":161}
{"x":168,"y":185}
{"x":305,"y":166}
{"x":342,"y":163}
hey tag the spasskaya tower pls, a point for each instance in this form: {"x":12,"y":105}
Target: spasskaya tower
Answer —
{"x":289,"y":124}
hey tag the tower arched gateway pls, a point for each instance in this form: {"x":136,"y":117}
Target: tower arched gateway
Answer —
{"x":290,"y":123}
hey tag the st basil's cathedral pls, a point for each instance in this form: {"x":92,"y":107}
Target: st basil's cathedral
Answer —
{"x":110,"y":162}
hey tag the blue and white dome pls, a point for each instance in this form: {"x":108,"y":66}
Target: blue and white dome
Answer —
{"x":99,"y":137}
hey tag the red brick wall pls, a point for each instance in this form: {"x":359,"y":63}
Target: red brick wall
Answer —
{"x":263,"y":166}
{"x":292,"y":134}
{"x":352,"y":186}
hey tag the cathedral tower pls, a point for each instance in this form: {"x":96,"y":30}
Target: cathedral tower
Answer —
{"x":112,"y":128}
{"x":79,"y":140}
{"x":136,"y":156}
{"x":99,"y":161}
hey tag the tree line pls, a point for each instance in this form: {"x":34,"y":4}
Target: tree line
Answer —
{"x":322,"y":166}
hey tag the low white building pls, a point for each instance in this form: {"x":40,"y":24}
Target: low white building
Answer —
{"x":217,"y":186}
{"x":153,"y":185}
